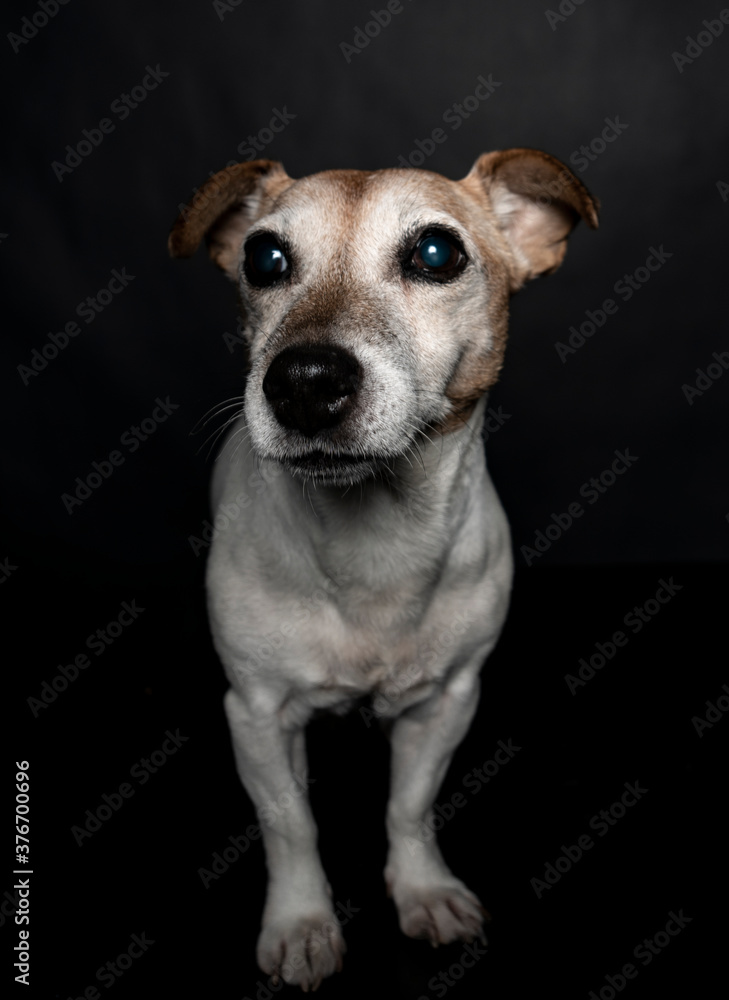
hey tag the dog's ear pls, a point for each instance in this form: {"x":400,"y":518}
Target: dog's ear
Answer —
{"x":537,"y":201}
{"x":223,"y":210}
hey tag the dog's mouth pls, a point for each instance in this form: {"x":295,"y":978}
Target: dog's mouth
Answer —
{"x":333,"y":469}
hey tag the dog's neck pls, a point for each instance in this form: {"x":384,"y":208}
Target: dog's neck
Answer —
{"x":377,"y":531}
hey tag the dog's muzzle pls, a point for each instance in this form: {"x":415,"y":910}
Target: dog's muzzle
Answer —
{"x":311,"y":388}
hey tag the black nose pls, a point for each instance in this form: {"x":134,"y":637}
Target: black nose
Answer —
{"x":311,"y":388}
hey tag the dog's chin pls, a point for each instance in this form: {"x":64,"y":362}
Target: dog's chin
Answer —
{"x":322,"y":469}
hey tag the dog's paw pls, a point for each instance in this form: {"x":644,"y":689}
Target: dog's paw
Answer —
{"x":301,"y":951}
{"x":440,"y":913}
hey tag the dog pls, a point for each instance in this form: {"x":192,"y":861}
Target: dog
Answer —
{"x":375,"y":309}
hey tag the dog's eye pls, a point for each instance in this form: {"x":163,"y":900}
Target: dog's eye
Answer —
{"x":265,"y":261}
{"x":437,"y":255}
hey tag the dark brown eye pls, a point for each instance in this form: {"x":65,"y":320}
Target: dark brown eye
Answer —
{"x":265,"y":260}
{"x":437,"y":256}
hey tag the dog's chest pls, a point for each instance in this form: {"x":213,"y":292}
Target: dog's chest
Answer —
{"x":356,"y":598}
{"x":391,"y":644}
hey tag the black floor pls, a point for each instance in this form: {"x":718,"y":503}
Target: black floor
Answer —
{"x":139,"y":872}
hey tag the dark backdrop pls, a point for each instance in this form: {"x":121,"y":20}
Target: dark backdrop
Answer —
{"x":612,"y":78}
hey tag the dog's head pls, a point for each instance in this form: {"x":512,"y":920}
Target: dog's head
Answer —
{"x":376,"y":304}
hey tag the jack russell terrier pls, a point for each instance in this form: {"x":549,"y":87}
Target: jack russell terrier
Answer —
{"x":375,"y":308}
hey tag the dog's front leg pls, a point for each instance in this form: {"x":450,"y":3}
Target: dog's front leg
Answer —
{"x":431,"y":902}
{"x":300,"y":939}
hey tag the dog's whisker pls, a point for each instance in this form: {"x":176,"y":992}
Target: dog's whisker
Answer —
{"x":418,"y":452}
{"x":216,"y":435}
{"x":238,"y":412}
{"x":245,"y":434}
{"x":311,"y":500}
{"x":216,"y":410}
{"x":242,"y":433}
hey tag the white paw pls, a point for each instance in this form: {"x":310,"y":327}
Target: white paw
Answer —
{"x":302,"y":950}
{"x":441,"y":913}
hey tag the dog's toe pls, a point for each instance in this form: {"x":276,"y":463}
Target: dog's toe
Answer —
{"x":440,"y":914}
{"x":302,"y":951}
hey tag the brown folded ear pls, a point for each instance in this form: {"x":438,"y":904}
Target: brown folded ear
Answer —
{"x":223,"y":210}
{"x":537,"y":201}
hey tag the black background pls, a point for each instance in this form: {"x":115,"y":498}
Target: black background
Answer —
{"x":659,"y":183}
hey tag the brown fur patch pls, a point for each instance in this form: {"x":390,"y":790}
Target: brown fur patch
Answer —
{"x":543,"y":182}
{"x":536,"y":201}
{"x":476,"y":374}
{"x":223,"y":209}
{"x":535,"y":174}
{"x":480,"y":366}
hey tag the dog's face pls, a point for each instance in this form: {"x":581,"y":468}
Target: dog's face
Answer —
{"x":376,"y":304}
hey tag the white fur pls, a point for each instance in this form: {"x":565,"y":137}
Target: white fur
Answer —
{"x":395,"y":586}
